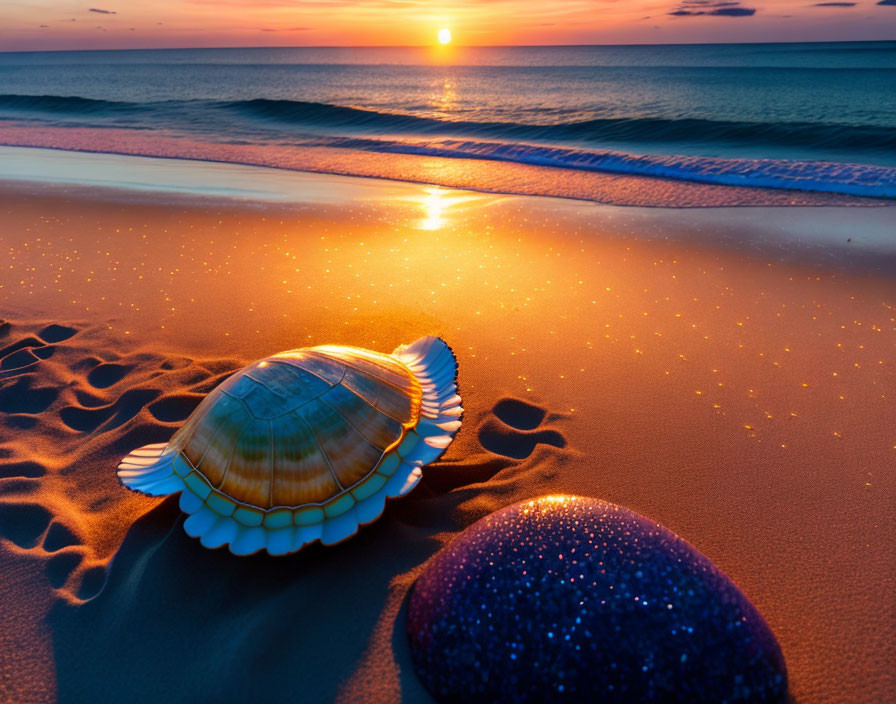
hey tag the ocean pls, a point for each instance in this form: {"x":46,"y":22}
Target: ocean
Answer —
{"x":816,"y":117}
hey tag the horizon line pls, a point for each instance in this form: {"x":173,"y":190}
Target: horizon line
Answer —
{"x":458,"y":46}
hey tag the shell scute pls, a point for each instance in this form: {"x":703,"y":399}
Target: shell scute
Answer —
{"x":368,"y":488}
{"x":224,"y":418}
{"x":210,"y":446}
{"x":339,"y":506}
{"x":248,"y":516}
{"x":302,"y":473}
{"x":379,"y":429}
{"x":248,"y":477}
{"x":324,"y":368}
{"x":395,"y":403}
{"x":198,"y":485}
{"x":350,"y":455}
{"x":264,"y":404}
{"x":239,"y":385}
{"x":378,"y":366}
{"x":407,"y":445}
{"x":220,"y":504}
{"x":278,"y":519}
{"x":287,"y":380}
{"x":389,"y":464}
{"x":308,"y":516}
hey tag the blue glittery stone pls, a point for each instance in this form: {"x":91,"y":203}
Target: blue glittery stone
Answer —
{"x":573,"y":599}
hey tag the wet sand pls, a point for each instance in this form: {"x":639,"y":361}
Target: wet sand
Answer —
{"x":713,"y":370}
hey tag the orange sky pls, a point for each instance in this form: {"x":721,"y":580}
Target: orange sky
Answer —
{"x":66,"y":24}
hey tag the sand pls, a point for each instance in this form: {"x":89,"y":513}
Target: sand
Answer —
{"x":712,"y":370}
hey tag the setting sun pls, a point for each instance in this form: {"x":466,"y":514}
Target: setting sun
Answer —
{"x":444,"y":35}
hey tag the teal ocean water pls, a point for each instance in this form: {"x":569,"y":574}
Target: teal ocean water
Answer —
{"x":816,"y":117}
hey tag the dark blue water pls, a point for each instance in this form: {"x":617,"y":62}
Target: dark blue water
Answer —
{"x":703,"y":112}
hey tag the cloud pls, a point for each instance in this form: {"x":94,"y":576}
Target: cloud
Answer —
{"x":719,"y":12}
{"x":102,"y":12}
{"x":887,"y":2}
{"x":726,"y":8}
{"x":45,"y":26}
{"x":835,"y":4}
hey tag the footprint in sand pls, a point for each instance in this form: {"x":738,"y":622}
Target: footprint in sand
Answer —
{"x":22,"y":470}
{"x":90,"y":416}
{"x":116,"y":414}
{"x":20,"y":355}
{"x":28,"y":351}
{"x":58,"y":537}
{"x":61,"y":565}
{"x":32,"y":527}
{"x":515,"y":430}
{"x":66,"y":572}
{"x":105,"y":375}
{"x":25,"y":396}
{"x":23,"y":523}
{"x":56,"y":333}
{"x":512,"y":431}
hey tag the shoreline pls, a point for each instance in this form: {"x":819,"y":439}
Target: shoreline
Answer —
{"x":475,"y":174}
{"x":838,"y":237}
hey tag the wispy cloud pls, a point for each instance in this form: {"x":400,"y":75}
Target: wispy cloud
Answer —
{"x":102,"y":12}
{"x":727,"y":8}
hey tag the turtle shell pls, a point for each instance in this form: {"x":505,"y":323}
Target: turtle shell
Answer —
{"x":300,"y":428}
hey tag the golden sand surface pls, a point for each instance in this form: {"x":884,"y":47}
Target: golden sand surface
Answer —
{"x":711,"y":370}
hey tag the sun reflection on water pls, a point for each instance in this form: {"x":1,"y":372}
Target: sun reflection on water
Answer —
{"x":434,"y":206}
{"x":439,"y":206}
{"x":443,"y":99}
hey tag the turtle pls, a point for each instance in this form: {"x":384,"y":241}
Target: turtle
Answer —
{"x":305,"y":445}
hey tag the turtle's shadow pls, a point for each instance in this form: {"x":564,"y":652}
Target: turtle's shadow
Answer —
{"x":178,"y":622}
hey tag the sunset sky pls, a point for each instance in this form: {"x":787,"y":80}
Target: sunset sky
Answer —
{"x":64,"y":24}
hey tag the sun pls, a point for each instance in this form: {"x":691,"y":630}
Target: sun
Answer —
{"x":444,"y":35}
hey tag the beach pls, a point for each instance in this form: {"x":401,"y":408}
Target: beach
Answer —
{"x":727,"y":372}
